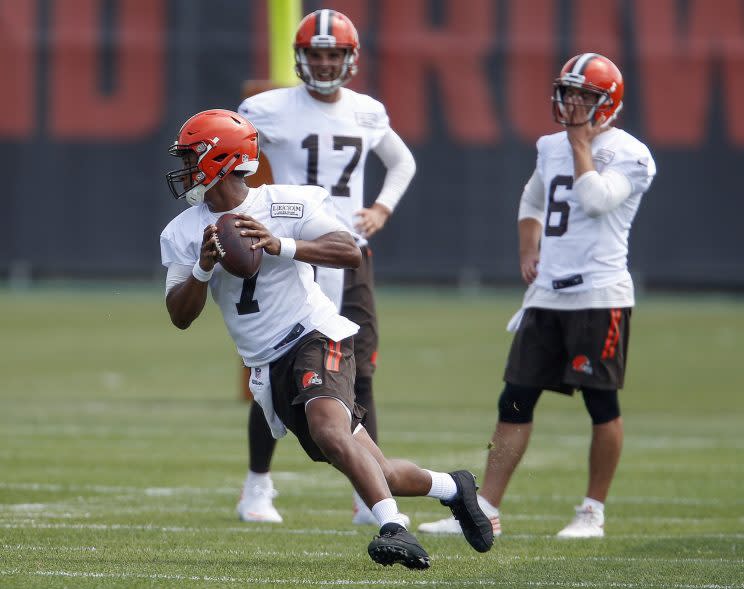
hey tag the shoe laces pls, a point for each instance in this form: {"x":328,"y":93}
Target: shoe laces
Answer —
{"x":389,"y":531}
{"x":259,"y":491}
{"x":586,"y":515}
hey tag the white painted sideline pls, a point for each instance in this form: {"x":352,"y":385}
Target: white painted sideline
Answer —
{"x":305,"y":554}
{"x":358,"y":583}
{"x":274,"y":530}
{"x":323,"y":481}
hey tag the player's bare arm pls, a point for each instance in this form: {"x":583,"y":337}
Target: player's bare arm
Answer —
{"x":186,"y":300}
{"x":371,"y":220}
{"x":529,"y":248}
{"x":334,"y":250}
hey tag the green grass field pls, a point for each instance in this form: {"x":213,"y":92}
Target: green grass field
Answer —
{"x":123,"y":450}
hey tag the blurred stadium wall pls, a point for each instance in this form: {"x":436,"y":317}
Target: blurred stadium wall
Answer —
{"x":94,"y":91}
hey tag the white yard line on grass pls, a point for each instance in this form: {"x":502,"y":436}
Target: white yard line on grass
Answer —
{"x":360,"y":582}
{"x":305,"y":554}
{"x":10,"y":513}
{"x":325,"y":531}
{"x":32,"y":525}
{"x":325,"y":482}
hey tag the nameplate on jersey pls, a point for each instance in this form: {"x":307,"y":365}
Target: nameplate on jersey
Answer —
{"x":574,"y":280}
{"x":366,"y":119}
{"x":287,"y":209}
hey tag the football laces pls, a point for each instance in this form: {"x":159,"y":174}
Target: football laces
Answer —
{"x":220,"y":249}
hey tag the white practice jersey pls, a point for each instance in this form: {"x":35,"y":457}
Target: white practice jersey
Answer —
{"x":579,"y":252}
{"x":312,"y":142}
{"x":261,"y":312}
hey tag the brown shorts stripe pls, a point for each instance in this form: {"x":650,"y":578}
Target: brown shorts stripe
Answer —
{"x":613,"y":334}
{"x":333,"y":358}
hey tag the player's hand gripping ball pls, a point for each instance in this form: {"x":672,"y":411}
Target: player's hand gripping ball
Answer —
{"x":236,"y":255}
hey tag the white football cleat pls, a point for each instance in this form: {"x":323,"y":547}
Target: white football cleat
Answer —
{"x":450,"y":525}
{"x":363,"y":515}
{"x":256,"y":505}
{"x":587,"y":523}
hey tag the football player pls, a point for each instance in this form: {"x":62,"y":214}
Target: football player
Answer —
{"x":572,"y":331}
{"x":291,"y":335}
{"x":321,"y":133}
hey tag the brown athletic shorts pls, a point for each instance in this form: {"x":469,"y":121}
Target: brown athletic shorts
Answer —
{"x":567,"y":350}
{"x":316,"y":367}
{"x":358,"y":305}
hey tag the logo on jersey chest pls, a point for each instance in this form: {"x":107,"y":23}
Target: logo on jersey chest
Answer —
{"x":604,"y":156}
{"x":287,"y":209}
{"x":366,"y":119}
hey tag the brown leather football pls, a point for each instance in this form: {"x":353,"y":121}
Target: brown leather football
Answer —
{"x":236,"y":255}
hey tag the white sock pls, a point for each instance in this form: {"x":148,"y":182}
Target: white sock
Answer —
{"x":442,"y":486}
{"x":487,"y":508}
{"x":386,"y":512}
{"x":596,"y":506}
{"x":258,"y":479}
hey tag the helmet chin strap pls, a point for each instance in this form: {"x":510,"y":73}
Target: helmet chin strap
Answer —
{"x":195,"y":196}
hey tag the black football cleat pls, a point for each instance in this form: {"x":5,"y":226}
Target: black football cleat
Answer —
{"x":476,"y":527}
{"x":395,"y":544}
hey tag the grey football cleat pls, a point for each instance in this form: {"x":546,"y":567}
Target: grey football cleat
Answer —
{"x":394,"y":545}
{"x":476,"y":527}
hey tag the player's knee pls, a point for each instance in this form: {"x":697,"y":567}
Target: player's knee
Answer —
{"x":331,"y":441}
{"x":517,"y":403}
{"x":603,"y":405}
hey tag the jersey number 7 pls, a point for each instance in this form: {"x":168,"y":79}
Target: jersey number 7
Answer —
{"x":341,"y":187}
{"x":247,"y":305}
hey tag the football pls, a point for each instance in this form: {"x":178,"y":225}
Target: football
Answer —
{"x":236,"y":255}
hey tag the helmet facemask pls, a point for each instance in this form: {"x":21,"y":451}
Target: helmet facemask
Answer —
{"x":191,"y":178}
{"x":305,"y":70}
{"x":594,"y":109}
{"x":187,"y":181}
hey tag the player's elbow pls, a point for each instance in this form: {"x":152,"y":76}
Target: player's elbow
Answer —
{"x":591,"y":211}
{"x":178,"y":317}
{"x":180,"y":322}
{"x":357,"y":258}
{"x":410,"y":163}
{"x":353,"y":257}
{"x":346,"y":252}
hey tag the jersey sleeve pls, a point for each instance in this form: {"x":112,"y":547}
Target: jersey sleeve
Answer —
{"x":260,"y":110}
{"x":372,"y":115}
{"x":321,"y":217}
{"x":175,"y":248}
{"x":638,"y":166}
{"x":541,"y":146}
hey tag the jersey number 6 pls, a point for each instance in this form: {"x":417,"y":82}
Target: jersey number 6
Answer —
{"x":341,"y":187}
{"x":562,"y":209}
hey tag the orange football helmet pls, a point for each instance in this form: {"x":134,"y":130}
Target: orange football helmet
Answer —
{"x":221,"y":141}
{"x":324,"y":29}
{"x":590,"y":72}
